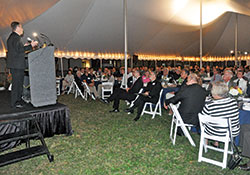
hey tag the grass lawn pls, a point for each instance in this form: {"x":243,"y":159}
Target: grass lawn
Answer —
{"x":105,"y":143}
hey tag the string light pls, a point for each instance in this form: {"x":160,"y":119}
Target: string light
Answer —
{"x":120,"y":56}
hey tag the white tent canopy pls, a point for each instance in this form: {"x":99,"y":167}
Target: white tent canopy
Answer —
{"x":154,"y":27}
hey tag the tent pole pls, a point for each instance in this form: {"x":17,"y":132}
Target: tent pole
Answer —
{"x":62,"y":67}
{"x":101,"y":62}
{"x":131,"y":57}
{"x":200,"y":34}
{"x":236,"y":41}
{"x":125,"y":40}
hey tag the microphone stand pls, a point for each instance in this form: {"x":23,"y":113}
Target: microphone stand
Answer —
{"x":47,"y":38}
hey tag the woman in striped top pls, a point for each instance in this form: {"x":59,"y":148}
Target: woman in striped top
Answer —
{"x":221,"y":107}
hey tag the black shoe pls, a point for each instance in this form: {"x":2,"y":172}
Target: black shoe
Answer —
{"x":104,"y":101}
{"x":136,"y":118}
{"x":19,"y":106}
{"x":244,"y":167}
{"x":129,"y":111}
{"x":115,"y":110}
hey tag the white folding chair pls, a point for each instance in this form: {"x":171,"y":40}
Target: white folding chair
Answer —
{"x":75,"y":89}
{"x":107,"y":87}
{"x":221,"y":122}
{"x":177,"y":120}
{"x":131,"y":104}
{"x":72,"y":87}
{"x":87,"y":91}
{"x":156,"y":110}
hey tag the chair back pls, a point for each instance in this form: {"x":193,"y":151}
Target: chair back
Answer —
{"x":159,"y":101}
{"x":176,"y":112}
{"x":85,"y":85}
{"x":108,"y":84}
{"x":218,"y":122}
{"x":179,"y":123}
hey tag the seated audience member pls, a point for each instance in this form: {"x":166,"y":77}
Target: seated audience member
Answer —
{"x":240,"y":81}
{"x":91,"y":73}
{"x":89,"y":80}
{"x":216,"y":76}
{"x":68,"y":80}
{"x":123,"y":82}
{"x":175,"y":73}
{"x":82,"y":70}
{"x":197,"y":70}
{"x":114,"y":72}
{"x":119,"y":78}
{"x":227,"y":78}
{"x":110,"y":78}
{"x":151,"y":94}
{"x":129,"y":73}
{"x":202,"y":73}
{"x":145,"y":78}
{"x":181,"y":82}
{"x":192,"y":98}
{"x":158,"y":73}
{"x":128,"y":94}
{"x":131,"y":80}
{"x":247,"y":73}
{"x":166,"y":78}
{"x":78,"y":80}
{"x":221,"y":106}
{"x":99,"y":74}
{"x":75,"y":69}
{"x":209,"y":72}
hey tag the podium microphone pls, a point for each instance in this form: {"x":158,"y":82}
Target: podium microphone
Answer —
{"x":29,"y":39}
{"x":47,"y":38}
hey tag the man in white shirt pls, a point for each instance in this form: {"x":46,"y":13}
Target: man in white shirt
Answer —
{"x":241,"y":81}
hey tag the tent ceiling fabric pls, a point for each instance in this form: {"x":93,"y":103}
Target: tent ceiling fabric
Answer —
{"x":154,"y":27}
{"x":23,"y":11}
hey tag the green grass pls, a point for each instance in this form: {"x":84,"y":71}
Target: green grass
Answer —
{"x":105,"y":143}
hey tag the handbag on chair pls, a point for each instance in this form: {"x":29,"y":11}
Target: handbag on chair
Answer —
{"x":236,"y":157}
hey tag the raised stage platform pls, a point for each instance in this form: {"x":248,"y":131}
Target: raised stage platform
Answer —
{"x":53,"y":119}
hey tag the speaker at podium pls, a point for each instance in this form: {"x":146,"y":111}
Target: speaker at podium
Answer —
{"x":42,"y":77}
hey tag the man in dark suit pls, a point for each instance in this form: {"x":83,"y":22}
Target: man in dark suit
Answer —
{"x":129,"y":94}
{"x":151,"y":94}
{"x":16,"y":62}
{"x":192,"y":98}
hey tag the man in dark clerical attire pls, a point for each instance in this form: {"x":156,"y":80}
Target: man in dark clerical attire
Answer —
{"x":16,"y":62}
{"x":151,"y":94}
{"x":129,"y":94}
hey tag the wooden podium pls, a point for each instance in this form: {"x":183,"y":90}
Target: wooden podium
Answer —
{"x":42,"y":76}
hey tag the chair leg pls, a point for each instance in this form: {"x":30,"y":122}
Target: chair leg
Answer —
{"x":224,"y":163}
{"x":201,"y":148}
{"x":150,"y":107}
{"x":155,"y":111}
{"x":172,"y":128}
{"x":159,"y":106}
{"x":175,"y":132}
{"x":76,"y":94}
{"x":205,"y":145}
